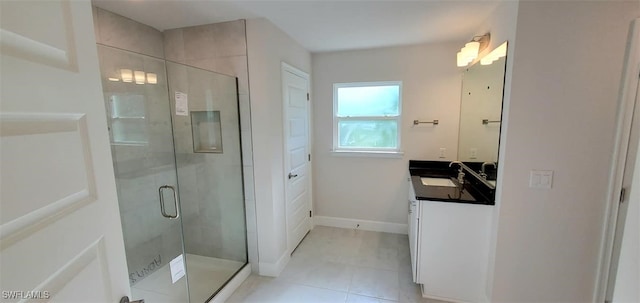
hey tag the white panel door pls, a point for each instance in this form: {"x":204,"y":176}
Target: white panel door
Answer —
{"x":619,"y":264}
{"x":631,"y":186}
{"x":60,"y":232}
{"x":297,"y":174}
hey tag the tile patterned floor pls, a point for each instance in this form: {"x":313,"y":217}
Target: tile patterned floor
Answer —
{"x":340,"y":265}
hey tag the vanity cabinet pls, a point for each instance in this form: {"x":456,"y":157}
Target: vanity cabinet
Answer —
{"x":449,"y":245}
{"x":413,"y":232}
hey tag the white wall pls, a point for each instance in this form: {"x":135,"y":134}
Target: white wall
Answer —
{"x":375,"y":189}
{"x":567,"y":65}
{"x":267,"y":47}
{"x":502,"y":24}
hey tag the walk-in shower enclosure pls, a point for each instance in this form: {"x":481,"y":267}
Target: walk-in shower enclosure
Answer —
{"x":175,"y":140}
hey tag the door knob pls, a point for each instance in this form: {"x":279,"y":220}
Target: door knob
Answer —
{"x":292,"y":176}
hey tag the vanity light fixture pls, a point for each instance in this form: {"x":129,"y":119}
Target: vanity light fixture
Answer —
{"x":470,"y":50}
{"x":494,"y":55}
{"x":126,"y":75}
{"x":138,"y":76}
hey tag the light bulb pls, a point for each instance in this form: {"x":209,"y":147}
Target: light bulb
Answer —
{"x":126,"y":75}
{"x":471,"y":50}
{"x":501,"y":51}
{"x":487,"y":60}
{"x":461,"y":60}
{"x":139,"y":75}
{"x":495,"y":54}
{"x":152,"y":78}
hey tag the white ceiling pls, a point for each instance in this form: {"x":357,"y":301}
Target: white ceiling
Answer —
{"x":322,"y":26}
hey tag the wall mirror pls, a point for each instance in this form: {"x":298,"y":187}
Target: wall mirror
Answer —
{"x":481,"y":113}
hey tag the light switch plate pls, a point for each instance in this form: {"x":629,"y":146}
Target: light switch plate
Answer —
{"x":473,"y":153}
{"x":541,"y":179}
{"x":443,"y":152}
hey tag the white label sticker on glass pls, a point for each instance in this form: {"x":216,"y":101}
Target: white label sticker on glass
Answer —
{"x":182,"y":104}
{"x":177,"y":268}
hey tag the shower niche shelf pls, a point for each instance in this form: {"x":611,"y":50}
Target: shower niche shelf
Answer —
{"x":206,"y":131}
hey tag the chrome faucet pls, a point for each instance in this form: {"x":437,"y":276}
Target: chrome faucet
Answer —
{"x":483,"y":172}
{"x":455,"y":162}
{"x":460,"y":171}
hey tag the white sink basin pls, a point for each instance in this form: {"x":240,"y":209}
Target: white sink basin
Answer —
{"x":437,"y":182}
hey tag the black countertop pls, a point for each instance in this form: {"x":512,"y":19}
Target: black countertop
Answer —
{"x":470,"y":193}
{"x":441,"y":193}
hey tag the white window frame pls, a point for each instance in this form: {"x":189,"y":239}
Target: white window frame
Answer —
{"x":362,"y":150}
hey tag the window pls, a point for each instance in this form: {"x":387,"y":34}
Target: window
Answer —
{"x":367,"y":116}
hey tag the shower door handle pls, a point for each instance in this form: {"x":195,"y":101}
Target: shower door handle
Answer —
{"x":175,"y":201}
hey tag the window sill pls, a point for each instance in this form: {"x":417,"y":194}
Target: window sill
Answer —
{"x":368,"y":154}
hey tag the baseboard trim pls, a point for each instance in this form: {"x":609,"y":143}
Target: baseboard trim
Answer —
{"x":438,"y":298}
{"x":274,"y":269}
{"x":233,"y":285}
{"x":395,"y":228}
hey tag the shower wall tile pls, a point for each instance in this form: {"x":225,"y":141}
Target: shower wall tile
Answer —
{"x":230,"y":38}
{"x":220,"y":48}
{"x":94,"y":13}
{"x":150,"y":239}
{"x":174,"y":45}
{"x":232,"y":246}
{"x":245,"y":112}
{"x":192,"y":236}
{"x":198,"y":42}
{"x":233,"y":66}
{"x":247,"y":149}
{"x":144,"y":259}
{"x":118,"y":31}
{"x":135,"y":192}
{"x":214,"y":182}
{"x":187,"y":193}
{"x":252,"y":249}
{"x":248,"y":177}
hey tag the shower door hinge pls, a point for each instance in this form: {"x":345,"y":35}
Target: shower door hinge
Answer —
{"x":623,"y":191}
{"x":309,"y":157}
{"x":307,"y":96}
{"x":310,"y":214}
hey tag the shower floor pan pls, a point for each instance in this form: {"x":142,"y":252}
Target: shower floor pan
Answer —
{"x":205,"y":276}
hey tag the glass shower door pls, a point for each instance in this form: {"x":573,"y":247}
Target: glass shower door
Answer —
{"x":208,"y":155}
{"x":139,"y":120}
